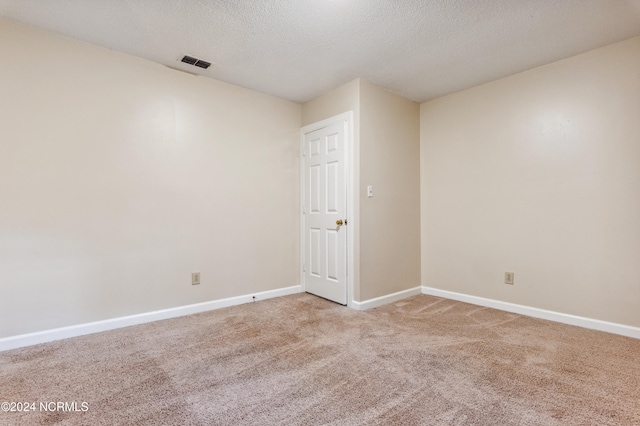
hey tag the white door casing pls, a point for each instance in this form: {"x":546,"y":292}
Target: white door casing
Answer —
{"x":324,"y":242}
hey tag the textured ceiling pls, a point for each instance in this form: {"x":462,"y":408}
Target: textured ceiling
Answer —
{"x":299,"y":49}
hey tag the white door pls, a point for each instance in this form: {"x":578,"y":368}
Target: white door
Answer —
{"x":325,"y":212}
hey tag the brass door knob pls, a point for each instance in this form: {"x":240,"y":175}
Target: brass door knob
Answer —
{"x":339,"y":222}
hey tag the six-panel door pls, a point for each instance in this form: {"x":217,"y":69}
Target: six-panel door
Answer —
{"x":324,"y":207}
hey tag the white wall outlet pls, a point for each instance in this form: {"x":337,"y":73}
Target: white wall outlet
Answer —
{"x":195,"y":278}
{"x":508,"y":277}
{"x":369,"y":191}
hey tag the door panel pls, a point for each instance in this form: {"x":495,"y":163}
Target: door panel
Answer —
{"x":325,"y":202}
{"x":314,"y":189}
{"x":332,"y":255}
{"x":333,"y":192}
{"x":314,"y":252}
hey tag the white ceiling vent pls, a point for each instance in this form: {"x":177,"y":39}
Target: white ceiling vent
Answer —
{"x":195,"y":62}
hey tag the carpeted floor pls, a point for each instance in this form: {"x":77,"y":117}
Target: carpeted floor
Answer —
{"x":300,"y":360}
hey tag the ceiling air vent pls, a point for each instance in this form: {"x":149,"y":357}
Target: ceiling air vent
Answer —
{"x":196,"y":62}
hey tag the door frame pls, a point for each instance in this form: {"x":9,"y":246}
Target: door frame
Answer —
{"x":347,"y":119}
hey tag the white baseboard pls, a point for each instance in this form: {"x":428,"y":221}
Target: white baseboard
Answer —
{"x":383,"y":300}
{"x":29,"y":339}
{"x":45,"y":336}
{"x":593,"y":324}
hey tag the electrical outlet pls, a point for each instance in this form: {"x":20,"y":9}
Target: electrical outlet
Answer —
{"x":508,"y":277}
{"x":195,"y":278}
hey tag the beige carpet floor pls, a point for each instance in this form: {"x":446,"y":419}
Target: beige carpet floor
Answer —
{"x":300,"y":360}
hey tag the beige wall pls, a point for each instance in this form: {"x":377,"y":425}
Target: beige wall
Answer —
{"x":339,"y":100}
{"x":386,"y":155}
{"x":390,"y":220}
{"x":539,"y":174}
{"x":120,"y":177}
